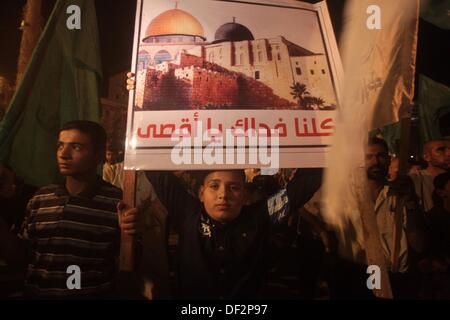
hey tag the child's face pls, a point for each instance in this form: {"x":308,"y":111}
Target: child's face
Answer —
{"x":223,"y":195}
{"x":111,"y":156}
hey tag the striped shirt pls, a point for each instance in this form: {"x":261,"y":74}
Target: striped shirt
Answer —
{"x":63,"y":231}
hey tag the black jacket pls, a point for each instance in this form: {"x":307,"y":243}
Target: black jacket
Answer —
{"x":227,"y":261}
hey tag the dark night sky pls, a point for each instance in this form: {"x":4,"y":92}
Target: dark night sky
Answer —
{"x":116,"y":27}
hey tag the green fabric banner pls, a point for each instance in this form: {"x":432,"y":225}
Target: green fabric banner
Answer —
{"x":61,"y":84}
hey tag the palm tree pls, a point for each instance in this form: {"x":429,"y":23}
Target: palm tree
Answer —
{"x":298,"y":92}
{"x":318,"y":102}
{"x":307,"y":103}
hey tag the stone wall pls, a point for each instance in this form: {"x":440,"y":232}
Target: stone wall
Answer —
{"x":199,"y":84}
{"x":164,"y":91}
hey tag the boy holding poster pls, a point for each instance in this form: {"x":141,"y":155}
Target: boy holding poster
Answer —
{"x":224,"y":247}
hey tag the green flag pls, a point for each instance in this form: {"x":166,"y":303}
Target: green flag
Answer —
{"x":433,"y":105}
{"x":59,"y":85}
{"x":434,"y":102}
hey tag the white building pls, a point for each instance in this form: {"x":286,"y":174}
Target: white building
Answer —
{"x":276,"y":62}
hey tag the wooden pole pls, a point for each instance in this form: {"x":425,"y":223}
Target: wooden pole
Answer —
{"x":127,"y":245}
{"x":128,"y":284}
{"x":31,"y":31}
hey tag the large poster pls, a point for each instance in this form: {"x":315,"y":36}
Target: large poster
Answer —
{"x":232,"y":84}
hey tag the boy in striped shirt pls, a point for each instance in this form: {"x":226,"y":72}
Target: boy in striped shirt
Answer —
{"x":73,"y":224}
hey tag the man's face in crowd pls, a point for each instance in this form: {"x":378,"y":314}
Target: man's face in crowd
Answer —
{"x":7,"y":183}
{"x":377,"y":162}
{"x":223,"y":195}
{"x":76,"y":155}
{"x":437,"y":154}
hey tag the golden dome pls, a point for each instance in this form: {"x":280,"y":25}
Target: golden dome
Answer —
{"x":174,"y":21}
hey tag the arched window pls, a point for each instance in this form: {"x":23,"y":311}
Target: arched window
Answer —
{"x":162,"y":56}
{"x":143,"y":60}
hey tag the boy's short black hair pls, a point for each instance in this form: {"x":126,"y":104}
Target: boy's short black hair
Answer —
{"x":201,"y":175}
{"x":95,"y":131}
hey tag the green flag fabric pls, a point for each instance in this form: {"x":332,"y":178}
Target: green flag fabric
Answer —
{"x":434,"y":103}
{"x":60,"y":84}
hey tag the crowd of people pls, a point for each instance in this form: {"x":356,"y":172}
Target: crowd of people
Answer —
{"x":232,"y":229}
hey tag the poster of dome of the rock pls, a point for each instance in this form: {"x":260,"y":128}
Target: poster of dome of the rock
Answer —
{"x":232,"y":84}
